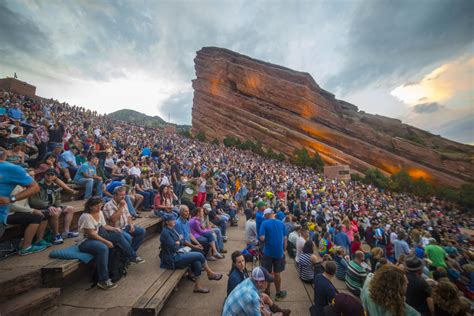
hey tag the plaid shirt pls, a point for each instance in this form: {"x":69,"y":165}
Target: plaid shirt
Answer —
{"x":243,"y":300}
{"x":110,"y":208}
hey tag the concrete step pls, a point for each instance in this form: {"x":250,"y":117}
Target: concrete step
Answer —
{"x":33,"y":302}
{"x":16,"y":281}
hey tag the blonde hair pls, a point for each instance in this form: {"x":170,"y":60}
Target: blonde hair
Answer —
{"x":387,"y":289}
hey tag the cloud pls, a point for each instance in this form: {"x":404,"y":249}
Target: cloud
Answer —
{"x":177,"y":108}
{"x":391,"y":41}
{"x":427,"y":107}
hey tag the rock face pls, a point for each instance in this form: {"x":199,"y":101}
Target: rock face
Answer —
{"x":235,"y":95}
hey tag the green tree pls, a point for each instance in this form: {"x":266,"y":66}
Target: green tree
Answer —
{"x":186,"y":133}
{"x":201,"y":136}
{"x":215,"y":141}
{"x":356,"y":177}
{"x":447,"y":193}
{"x":422,"y":188}
{"x":229,"y":141}
{"x":401,"y":182}
{"x":466,"y":196}
{"x":280,"y":157}
{"x":375,"y":177}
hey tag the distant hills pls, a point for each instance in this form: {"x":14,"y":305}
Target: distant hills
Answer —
{"x":141,"y":119}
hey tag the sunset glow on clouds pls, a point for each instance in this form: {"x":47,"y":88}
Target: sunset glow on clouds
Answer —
{"x":444,"y":96}
{"x":441,"y":85}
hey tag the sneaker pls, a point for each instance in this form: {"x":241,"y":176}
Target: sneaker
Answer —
{"x":224,"y":238}
{"x":107,"y":285}
{"x":223,"y":250}
{"x":137,"y":260}
{"x":280,"y":295}
{"x":31,"y":250}
{"x":43,"y":242}
{"x":58,"y":240}
{"x":70,"y":235}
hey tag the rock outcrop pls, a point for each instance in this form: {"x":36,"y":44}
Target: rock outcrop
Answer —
{"x":235,"y":95}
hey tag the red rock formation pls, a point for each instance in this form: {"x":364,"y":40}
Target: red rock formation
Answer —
{"x":235,"y":95}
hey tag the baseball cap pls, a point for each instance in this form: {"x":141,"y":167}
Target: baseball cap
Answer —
{"x":207,"y":207}
{"x":261,"y":274}
{"x":52,"y":171}
{"x":169,"y":217}
{"x":268,"y":211}
{"x":261,"y":204}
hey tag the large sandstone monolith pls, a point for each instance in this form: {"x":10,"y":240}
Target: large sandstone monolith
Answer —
{"x":235,"y":95}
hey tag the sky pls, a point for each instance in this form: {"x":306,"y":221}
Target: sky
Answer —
{"x":411,"y":60}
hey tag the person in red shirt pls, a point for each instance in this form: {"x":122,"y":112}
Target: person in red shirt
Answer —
{"x":356,"y":244}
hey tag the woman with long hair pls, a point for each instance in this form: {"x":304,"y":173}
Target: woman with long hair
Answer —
{"x":384,"y":293}
{"x":307,"y":259}
{"x":238,"y":272}
{"x":196,"y":228}
{"x":447,"y":301}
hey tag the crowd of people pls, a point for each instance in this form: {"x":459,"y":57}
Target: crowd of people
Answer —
{"x":396,"y":253}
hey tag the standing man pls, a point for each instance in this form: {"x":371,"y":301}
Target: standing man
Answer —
{"x":86,"y":176}
{"x":272,"y":233}
{"x":117,"y":215}
{"x":10,"y":176}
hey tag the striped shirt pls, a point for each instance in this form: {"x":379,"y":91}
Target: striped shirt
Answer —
{"x":305,"y":267}
{"x":355,"y":277}
{"x":341,"y":265}
{"x":110,"y":208}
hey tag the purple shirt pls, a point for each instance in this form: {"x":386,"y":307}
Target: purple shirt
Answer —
{"x":195,"y":226}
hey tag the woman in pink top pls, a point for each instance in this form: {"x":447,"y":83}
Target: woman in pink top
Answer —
{"x":203,"y":235}
{"x":349,"y":229}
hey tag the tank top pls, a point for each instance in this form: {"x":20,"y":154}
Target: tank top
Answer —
{"x":306,"y":267}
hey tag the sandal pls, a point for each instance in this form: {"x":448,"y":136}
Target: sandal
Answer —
{"x":203,"y":290}
{"x":215,"y":277}
{"x":219,"y":256}
{"x":191,"y":278}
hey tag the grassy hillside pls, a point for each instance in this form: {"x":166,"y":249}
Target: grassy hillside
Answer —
{"x":141,"y":119}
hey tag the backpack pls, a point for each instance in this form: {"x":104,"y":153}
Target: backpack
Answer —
{"x":9,"y":247}
{"x":117,"y":266}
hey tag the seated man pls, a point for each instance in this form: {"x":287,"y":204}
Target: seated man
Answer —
{"x":48,"y":200}
{"x":199,"y":244}
{"x":21,"y":214}
{"x":117,"y":215}
{"x":86,"y":176}
{"x":110,"y":187}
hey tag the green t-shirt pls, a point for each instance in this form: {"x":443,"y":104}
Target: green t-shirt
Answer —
{"x":436,"y":254}
{"x":376,"y":310}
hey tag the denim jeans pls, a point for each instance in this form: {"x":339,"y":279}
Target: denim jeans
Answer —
{"x":205,"y":244}
{"x":194,"y":259}
{"x":136,"y":238}
{"x":119,"y":240}
{"x":131,"y":209}
{"x":89,"y":183}
{"x":147,"y":198}
{"x":219,"y":239}
{"x":221,"y":223}
{"x":101,"y":254}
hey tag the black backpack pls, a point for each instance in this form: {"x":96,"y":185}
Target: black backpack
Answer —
{"x":118,"y":264}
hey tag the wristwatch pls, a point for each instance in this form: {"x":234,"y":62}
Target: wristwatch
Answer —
{"x":12,"y":199}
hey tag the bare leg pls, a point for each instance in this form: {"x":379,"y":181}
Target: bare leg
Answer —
{"x":68,"y":215}
{"x":54,"y":223}
{"x":198,"y":285}
{"x":277,"y":282}
{"x":41,"y":230}
{"x":30,"y":232}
